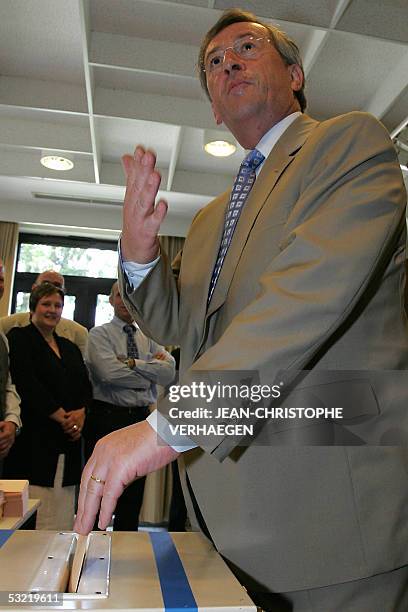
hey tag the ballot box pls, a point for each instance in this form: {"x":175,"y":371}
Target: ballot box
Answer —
{"x":122,"y":571}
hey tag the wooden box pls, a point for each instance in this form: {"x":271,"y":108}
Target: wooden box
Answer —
{"x":15,"y":497}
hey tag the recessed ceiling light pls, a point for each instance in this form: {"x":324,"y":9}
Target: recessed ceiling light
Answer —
{"x":220,"y":148}
{"x":216,"y":144}
{"x":56,"y":162}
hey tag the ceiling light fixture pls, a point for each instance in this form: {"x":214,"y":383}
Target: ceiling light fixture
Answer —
{"x":219,"y":144}
{"x":55,"y":161}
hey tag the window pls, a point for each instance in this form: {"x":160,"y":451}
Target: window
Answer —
{"x":68,"y":260}
{"x":103,"y":312}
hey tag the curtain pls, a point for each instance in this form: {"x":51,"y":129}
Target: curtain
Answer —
{"x":157,"y":493}
{"x":8,"y":253}
{"x":172,"y":245}
{"x":157,"y":497}
{"x":406,"y":286}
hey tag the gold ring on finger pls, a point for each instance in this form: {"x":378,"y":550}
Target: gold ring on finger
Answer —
{"x":96,"y":479}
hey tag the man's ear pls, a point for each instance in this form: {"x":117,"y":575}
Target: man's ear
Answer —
{"x":296,"y":75}
{"x":217,"y":117}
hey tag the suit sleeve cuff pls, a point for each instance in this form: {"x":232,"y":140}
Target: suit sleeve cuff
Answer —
{"x":135,"y":273}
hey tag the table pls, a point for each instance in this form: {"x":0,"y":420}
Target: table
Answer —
{"x":147,"y":572}
{"x":15,"y":522}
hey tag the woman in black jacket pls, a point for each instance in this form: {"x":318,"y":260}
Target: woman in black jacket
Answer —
{"x":53,"y":384}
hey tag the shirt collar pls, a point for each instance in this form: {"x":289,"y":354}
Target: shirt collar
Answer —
{"x":121,"y":323}
{"x":269,"y":140}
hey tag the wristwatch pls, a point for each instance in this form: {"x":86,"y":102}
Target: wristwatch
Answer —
{"x":18,"y":429}
{"x":130,"y":362}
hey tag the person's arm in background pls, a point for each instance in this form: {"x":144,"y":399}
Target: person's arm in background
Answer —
{"x":74,"y":419}
{"x":81,"y":338}
{"x":18,"y":319}
{"x":11,"y":419}
{"x":160,"y":368}
{"x":104,"y":364}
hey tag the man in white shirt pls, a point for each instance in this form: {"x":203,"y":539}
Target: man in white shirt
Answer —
{"x":125,"y":368}
{"x":78,"y":334}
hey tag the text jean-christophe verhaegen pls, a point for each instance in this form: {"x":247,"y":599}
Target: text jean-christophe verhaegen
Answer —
{"x":206,"y":408}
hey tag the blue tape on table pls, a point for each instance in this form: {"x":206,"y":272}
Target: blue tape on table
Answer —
{"x":4,"y":535}
{"x":176,"y":590}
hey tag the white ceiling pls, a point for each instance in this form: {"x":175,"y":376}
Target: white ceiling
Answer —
{"x":95,"y":77}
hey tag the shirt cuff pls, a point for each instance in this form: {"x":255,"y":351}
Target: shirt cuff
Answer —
{"x":177,"y":442}
{"x":11,"y":418}
{"x":135,"y":272}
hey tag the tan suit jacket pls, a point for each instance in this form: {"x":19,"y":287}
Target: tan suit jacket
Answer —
{"x":78,"y":334}
{"x":313,"y":280}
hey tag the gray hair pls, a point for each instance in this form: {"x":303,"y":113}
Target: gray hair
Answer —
{"x":285,"y":46}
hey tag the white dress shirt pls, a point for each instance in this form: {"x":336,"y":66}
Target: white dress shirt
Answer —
{"x":115,"y":382}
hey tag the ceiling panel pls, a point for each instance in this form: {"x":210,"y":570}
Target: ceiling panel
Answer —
{"x":148,"y":82}
{"x":356,"y":77}
{"x":317,"y":13}
{"x":44,"y":115}
{"x":383,"y":18}
{"x":174,"y":22}
{"x":42,"y":94}
{"x":143,"y":54}
{"x":43,"y":135}
{"x":118,"y":137}
{"x":397,"y":113}
{"x":138,"y":85}
{"x":202,"y":3}
{"x":49,"y":28}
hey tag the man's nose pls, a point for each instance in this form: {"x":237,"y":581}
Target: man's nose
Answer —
{"x":232,"y":61}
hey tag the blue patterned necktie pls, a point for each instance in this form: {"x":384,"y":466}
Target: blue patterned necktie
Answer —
{"x":130,"y":341}
{"x":240,"y":191}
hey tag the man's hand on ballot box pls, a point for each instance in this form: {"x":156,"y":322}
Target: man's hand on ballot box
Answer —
{"x":117,"y":460}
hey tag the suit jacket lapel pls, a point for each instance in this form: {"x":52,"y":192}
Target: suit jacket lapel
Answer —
{"x":205,"y":240}
{"x":280,"y":157}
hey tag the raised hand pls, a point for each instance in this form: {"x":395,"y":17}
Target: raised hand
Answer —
{"x":141,"y":216}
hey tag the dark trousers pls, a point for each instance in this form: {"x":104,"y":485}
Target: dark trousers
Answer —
{"x":178,"y":510}
{"x":102,"y":419}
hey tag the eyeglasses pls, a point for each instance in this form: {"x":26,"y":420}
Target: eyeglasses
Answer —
{"x":247,"y":47}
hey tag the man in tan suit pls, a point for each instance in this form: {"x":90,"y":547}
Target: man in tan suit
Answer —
{"x":311,"y":281}
{"x":78,"y":334}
